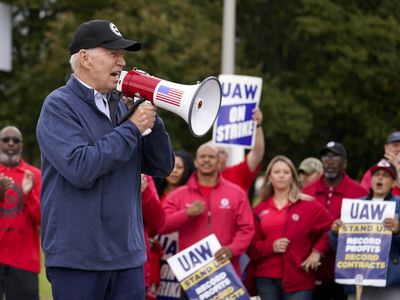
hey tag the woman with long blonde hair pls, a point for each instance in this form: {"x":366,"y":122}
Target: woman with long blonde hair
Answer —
{"x":291,"y":237}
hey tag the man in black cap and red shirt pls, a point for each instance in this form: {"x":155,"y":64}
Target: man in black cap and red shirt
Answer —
{"x":392,"y":154}
{"x":92,"y":227}
{"x":330,"y":190}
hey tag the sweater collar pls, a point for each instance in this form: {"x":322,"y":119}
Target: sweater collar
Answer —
{"x":81,"y":91}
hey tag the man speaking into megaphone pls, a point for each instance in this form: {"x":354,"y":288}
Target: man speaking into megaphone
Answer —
{"x":92,"y":232}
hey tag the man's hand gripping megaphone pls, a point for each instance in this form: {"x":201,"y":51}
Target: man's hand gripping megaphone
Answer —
{"x":140,"y":118}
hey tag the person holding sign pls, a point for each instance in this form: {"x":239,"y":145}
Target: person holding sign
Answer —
{"x":291,"y":237}
{"x":244,"y":173}
{"x":329,"y":190}
{"x":383,"y":178}
{"x":210,"y":204}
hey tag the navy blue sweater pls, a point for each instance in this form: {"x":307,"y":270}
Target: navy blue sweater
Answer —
{"x":90,"y":198}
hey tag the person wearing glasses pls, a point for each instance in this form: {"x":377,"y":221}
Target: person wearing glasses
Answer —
{"x":329,"y":190}
{"x":20,"y":185}
{"x":92,"y":224}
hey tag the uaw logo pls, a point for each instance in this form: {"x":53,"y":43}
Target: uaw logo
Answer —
{"x":115,"y":29}
{"x":224,"y":203}
{"x":12,"y":204}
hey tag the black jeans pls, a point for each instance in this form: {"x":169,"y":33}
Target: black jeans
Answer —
{"x":329,"y":290}
{"x":18,"y":284}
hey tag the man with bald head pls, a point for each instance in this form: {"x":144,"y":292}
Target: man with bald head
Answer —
{"x":208,"y":204}
{"x":20,"y":185}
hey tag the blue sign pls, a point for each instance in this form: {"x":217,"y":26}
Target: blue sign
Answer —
{"x":364,"y":243}
{"x":202,"y":277}
{"x":169,"y":288}
{"x":234,"y":125}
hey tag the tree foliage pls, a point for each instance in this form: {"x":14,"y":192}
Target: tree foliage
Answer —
{"x":329,"y":68}
{"x":338,"y":61}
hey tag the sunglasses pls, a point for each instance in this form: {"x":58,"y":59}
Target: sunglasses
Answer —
{"x":7,"y":139}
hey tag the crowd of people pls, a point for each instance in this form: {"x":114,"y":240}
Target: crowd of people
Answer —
{"x":106,"y":194}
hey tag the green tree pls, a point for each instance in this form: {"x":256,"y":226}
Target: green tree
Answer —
{"x":181,"y":43}
{"x":335,"y":59}
{"x":329,"y":67}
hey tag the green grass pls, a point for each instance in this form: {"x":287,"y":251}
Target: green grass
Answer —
{"x":44,"y":285}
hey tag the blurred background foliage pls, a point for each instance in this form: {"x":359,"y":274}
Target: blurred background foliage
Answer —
{"x":330,"y":69}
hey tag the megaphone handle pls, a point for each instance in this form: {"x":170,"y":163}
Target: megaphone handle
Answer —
{"x":130,"y":111}
{"x":146,"y":132}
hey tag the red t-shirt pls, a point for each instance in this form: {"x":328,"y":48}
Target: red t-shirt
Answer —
{"x":206,"y":190}
{"x":241,"y":174}
{"x":273,"y":228}
{"x":20,"y":221}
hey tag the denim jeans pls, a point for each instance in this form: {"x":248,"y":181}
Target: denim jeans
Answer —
{"x":271,"y":289}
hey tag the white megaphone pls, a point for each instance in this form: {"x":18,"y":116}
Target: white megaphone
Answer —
{"x":197,"y":104}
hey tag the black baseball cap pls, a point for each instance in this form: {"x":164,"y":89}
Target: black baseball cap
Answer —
{"x":100,"y":33}
{"x":393,"y":137}
{"x":334,"y":147}
{"x":383,"y":164}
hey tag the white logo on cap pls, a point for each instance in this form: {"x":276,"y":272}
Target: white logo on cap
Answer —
{"x":115,"y":29}
{"x":330,"y":144}
{"x":383,"y":163}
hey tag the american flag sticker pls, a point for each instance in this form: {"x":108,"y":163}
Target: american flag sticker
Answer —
{"x":169,"y":95}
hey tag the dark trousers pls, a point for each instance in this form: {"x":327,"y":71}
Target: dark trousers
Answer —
{"x":17,"y":284}
{"x":329,"y":290}
{"x":271,"y":289}
{"x":183,"y":295}
{"x":74,"y":284}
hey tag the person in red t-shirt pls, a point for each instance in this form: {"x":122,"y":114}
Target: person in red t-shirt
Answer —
{"x":291,"y":236}
{"x":392,"y":154}
{"x":329,"y":191}
{"x":20,"y":185}
{"x":210,"y":204}
{"x":244,"y":173}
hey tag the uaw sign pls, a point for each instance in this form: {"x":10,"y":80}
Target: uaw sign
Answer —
{"x":202,"y":277}
{"x":234,"y":125}
{"x":363,"y":242}
{"x":169,"y":288}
